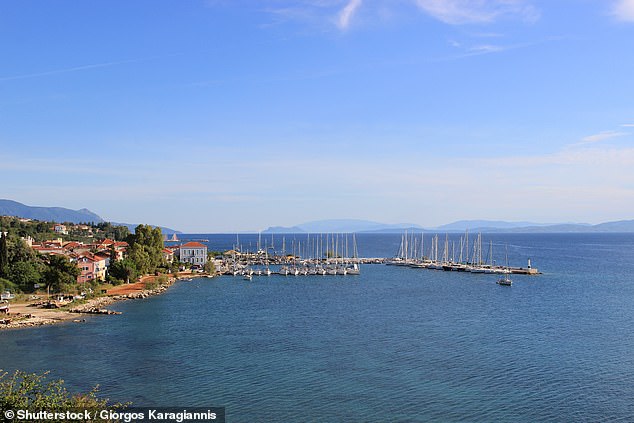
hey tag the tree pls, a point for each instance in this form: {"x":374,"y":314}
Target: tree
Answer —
{"x":123,"y":269}
{"x":210,"y":267}
{"x":25,"y":274}
{"x":4,"y":255}
{"x":7,"y":285}
{"x":146,"y":248}
{"x":18,"y":250}
{"x":59,"y":272}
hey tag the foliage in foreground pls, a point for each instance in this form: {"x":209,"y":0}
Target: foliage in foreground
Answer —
{"x":30,"y":391}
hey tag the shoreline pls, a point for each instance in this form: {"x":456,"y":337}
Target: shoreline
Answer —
{"x":28,"y":314}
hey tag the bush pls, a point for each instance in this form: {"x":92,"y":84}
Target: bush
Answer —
{"x":30,"y":391}
{"x":7,"y":285}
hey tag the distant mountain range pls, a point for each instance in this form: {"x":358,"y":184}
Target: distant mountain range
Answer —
{"x":487,"y":226}
{"x":59,"y":215}
{"x":341,"y":225}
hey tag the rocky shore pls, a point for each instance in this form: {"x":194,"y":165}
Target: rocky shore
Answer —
{"x":38,"y":314}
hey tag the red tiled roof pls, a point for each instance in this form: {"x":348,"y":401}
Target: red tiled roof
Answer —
{"x":193,"y":245}
{"x":88,"y":256}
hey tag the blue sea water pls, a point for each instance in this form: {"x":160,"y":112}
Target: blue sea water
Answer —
{"x":392,"y":344}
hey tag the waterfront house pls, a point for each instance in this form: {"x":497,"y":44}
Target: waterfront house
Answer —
{"x":102,"y":263}
{"x":92,"y":267}
{"x":86,"y":266}
{"x":168,"y":255}
{"x":194,"y":253}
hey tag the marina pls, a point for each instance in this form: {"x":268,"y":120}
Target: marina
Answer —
{"x":334,"y":255}
{"x":464,"y":257}
{"x":337,"y":255}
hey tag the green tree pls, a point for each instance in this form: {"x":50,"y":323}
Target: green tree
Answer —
{"x":18,"y":250}
{"x":146,"y":248}
{"x":60,"y":272}
{"x":210,"y":267}
{"x":4,"y":255}
{"x":7,"y":285}
{"x":25,"y":274}
{"x":123,"y":269}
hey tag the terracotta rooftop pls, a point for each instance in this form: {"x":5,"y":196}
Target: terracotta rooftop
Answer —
{"x":194,"y":245}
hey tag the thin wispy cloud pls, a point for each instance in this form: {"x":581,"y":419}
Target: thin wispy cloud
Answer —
{"x":628,"y":125}
{"x":459,"y":12}
{"x":453,"y":12}
{"x":623,"y":10}
{"x":487,"y":48}
{"x":602,"y":136}
{"x":346,"y":14}
{"x":481,"y":49}
{"x":74,"y":69}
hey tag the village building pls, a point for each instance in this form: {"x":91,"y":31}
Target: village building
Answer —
{"x":92,"y":267}
{"x":60,"y":229}
{"x":168,"y":255}
{"x":194,"y":253}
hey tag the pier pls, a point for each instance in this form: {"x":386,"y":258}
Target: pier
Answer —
{"x":328,"y":255}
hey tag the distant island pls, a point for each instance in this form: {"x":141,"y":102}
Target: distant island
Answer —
{"x":484,"y":226}
{"x":61,"y":215}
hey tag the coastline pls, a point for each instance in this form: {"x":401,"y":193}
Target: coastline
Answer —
{"x":27,"y":315}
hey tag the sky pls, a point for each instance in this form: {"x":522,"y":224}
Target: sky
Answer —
{"x":237,"y":115}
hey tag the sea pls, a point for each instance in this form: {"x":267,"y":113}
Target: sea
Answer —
{"x":393,"y":344}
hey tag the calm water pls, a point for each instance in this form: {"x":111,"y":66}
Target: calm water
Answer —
{"x":393,"y":344}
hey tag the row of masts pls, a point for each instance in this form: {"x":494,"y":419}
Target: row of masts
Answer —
{"x":318,"y":254}
{"x":451,"y":256}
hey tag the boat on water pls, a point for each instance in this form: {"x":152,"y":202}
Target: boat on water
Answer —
{"x":354,"y":270}
{"x":247,"y":277}
{"x":506,"y":280}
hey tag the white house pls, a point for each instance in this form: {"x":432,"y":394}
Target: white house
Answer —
{"x":194,"y":253}
{"x":60,"y":229}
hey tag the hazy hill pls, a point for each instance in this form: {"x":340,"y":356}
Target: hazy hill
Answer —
{"x":490,"y":226}
{"x":48,"y":214}
{"x":462,"y":225}
{"x":339,"y":226}
{"x":59,"y":215}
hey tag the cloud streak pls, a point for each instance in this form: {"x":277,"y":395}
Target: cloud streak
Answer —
{"x":77,"y":68}
{"x":623,"y":10}
{"x":62,"y":71}
{"x":346,"y":14}
{"x":602,"y":136}
{"x":459,"y":12}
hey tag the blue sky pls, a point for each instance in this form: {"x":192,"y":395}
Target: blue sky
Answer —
{"x":223,"y":116}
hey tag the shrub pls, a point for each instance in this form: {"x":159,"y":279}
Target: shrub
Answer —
{"x":30,"y":391}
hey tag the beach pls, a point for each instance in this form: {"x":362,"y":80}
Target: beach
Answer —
{"x":33,"y":312}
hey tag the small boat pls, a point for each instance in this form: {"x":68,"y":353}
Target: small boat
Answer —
{"x":247,"y":277}
{"x":506,"y":280}
{"x":6,"y":295}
